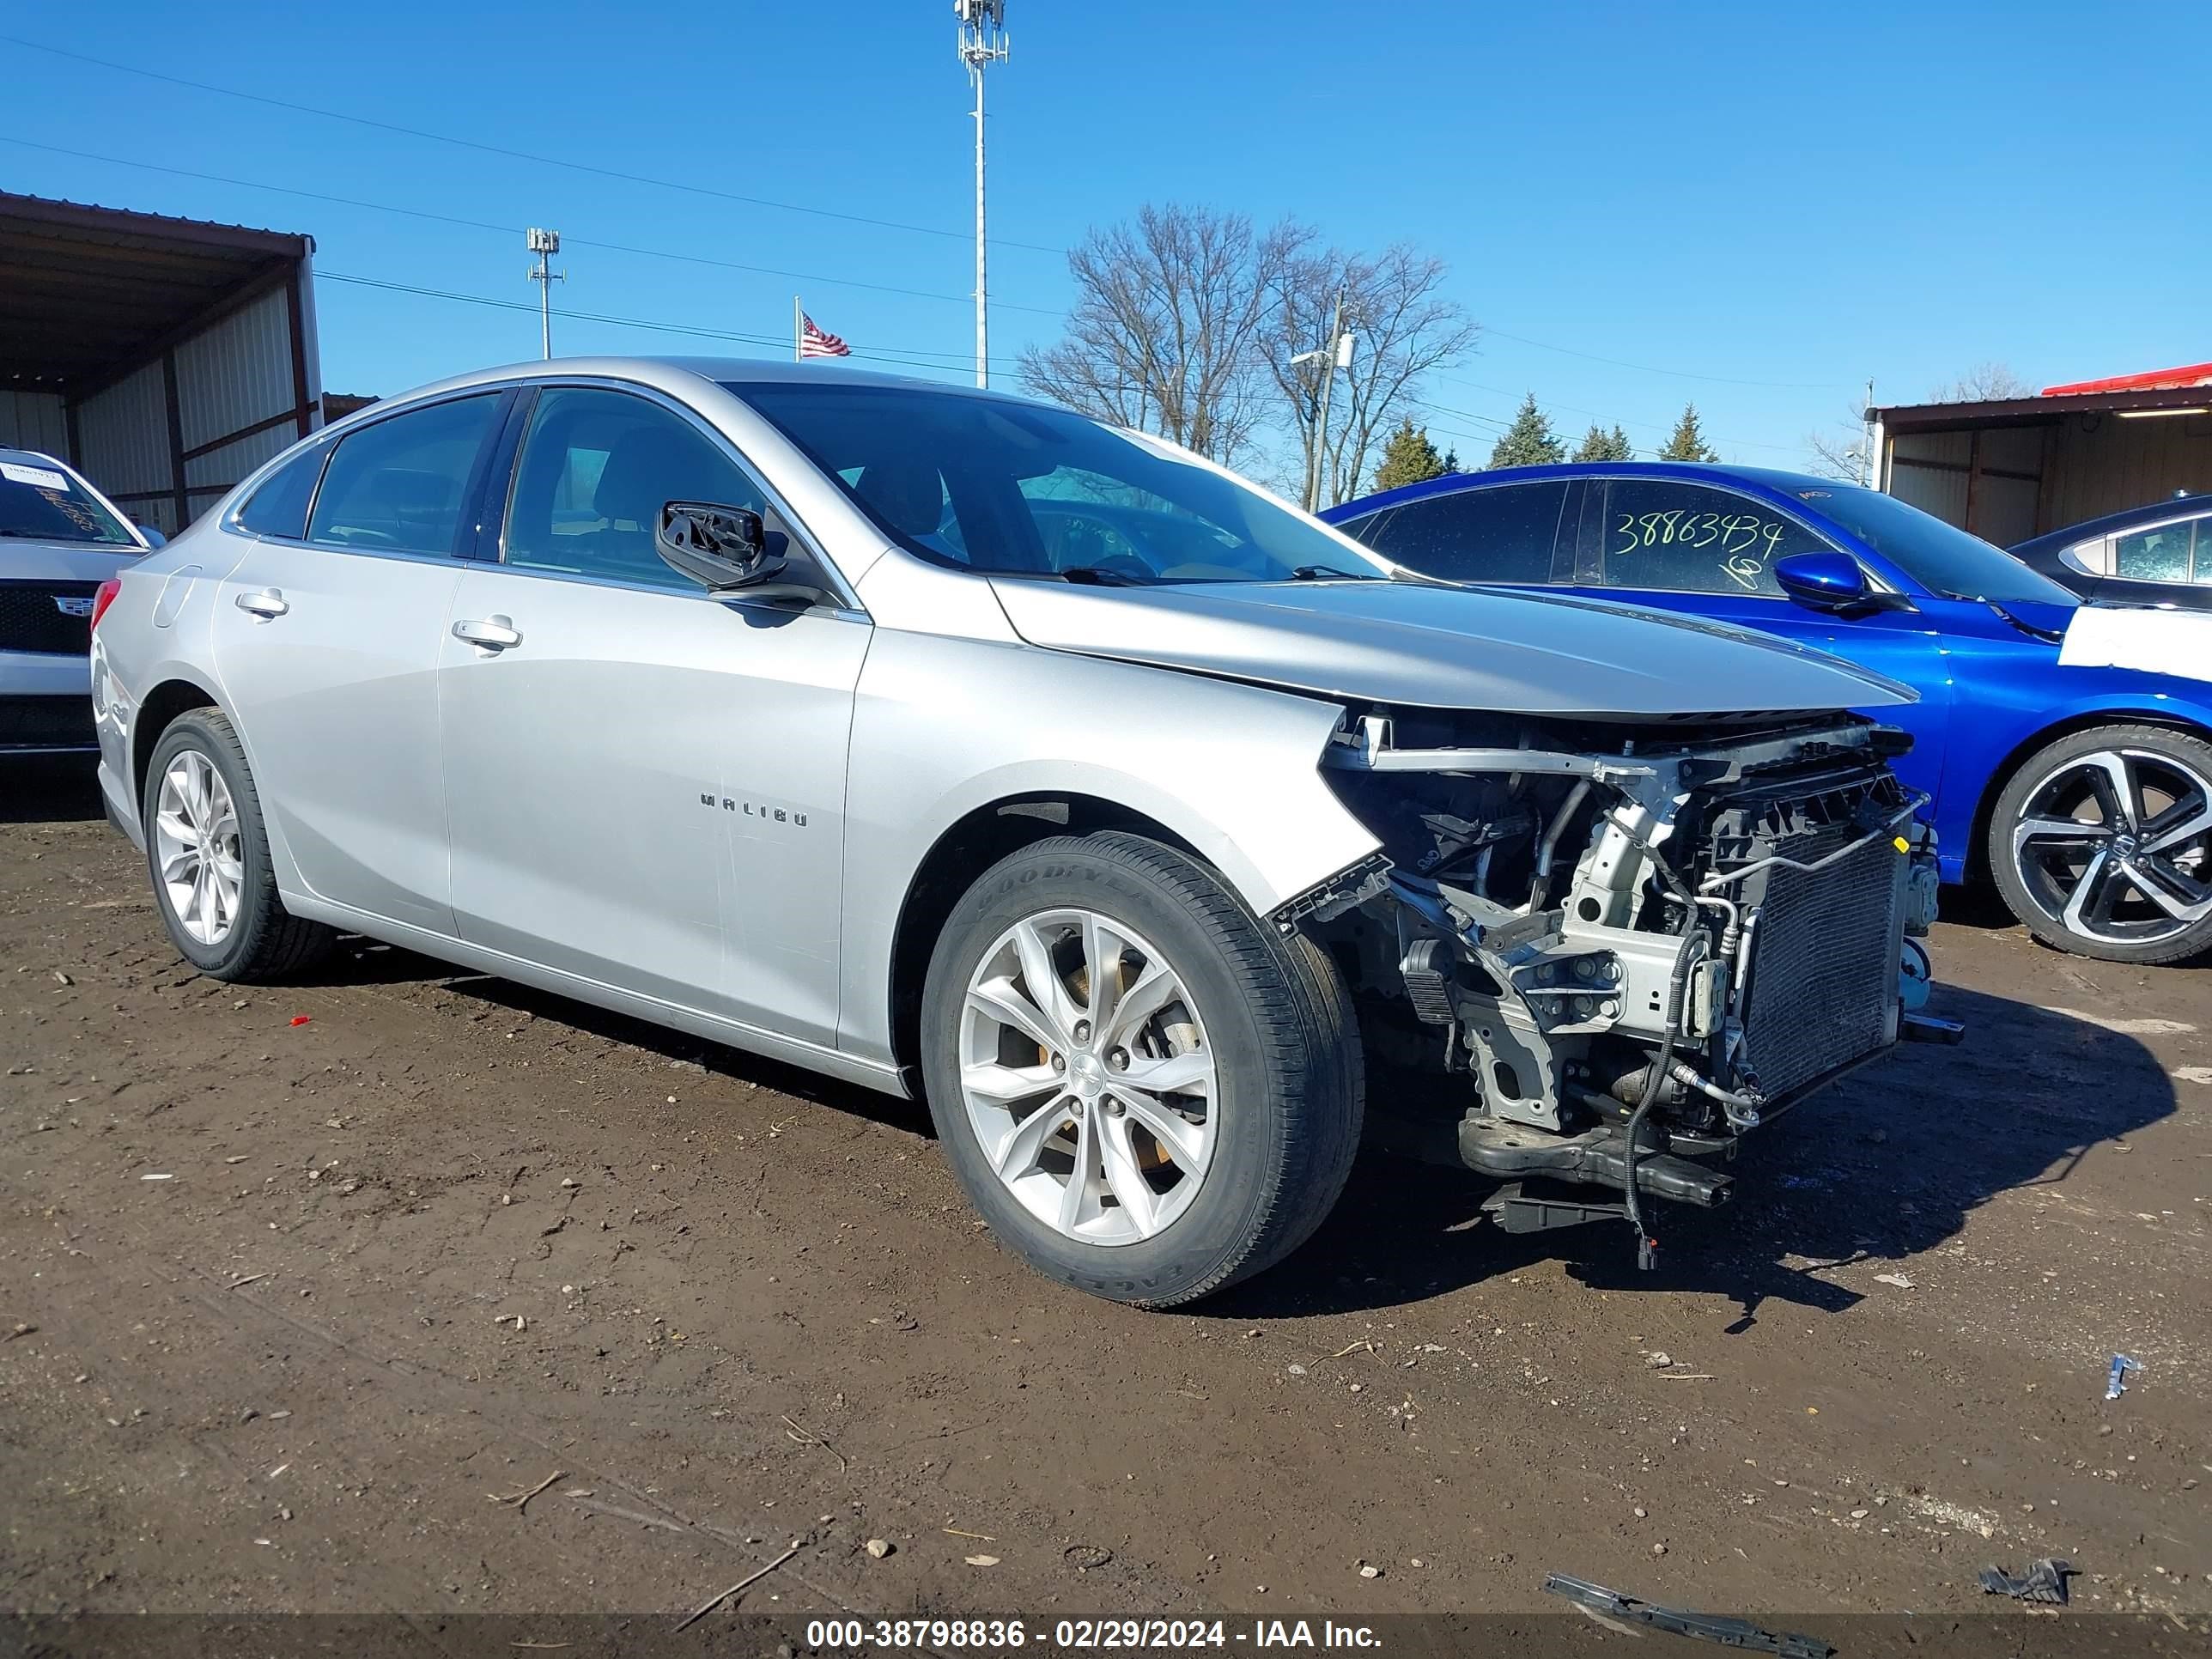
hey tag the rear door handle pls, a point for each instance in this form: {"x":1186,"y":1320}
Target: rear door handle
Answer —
{"x":268,"y":605}
{"x":493,"y":633}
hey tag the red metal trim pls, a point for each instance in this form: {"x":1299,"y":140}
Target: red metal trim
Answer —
{"x":2153,"y":380}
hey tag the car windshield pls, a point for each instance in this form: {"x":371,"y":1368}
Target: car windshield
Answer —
{"x":41,"y":501}
{"x":1013,"y":489}
{"x":1940,"y":557}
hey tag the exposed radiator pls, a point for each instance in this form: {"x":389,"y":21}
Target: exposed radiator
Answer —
{"x":1823,"y":982}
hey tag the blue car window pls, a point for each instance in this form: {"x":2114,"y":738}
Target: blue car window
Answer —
{"x":396,"y":486}
{"x":1503,"y":533}
{"x":1669,"y":536}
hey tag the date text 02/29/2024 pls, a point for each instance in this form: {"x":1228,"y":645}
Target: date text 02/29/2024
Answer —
{"x":1085,"y":1635}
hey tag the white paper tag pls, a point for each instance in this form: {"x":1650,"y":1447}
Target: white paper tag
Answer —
{"x":39,"y":475}
{"x":2153,"y":639}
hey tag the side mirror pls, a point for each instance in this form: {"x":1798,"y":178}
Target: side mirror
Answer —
{"x":154,"y":539}
{"x":718,"y":547}
{"x":1831,"y":581}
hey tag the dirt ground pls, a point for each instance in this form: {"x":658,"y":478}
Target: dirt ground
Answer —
{"x":293,"y":1301}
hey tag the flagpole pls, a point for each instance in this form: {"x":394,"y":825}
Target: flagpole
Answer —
{"x":798,"y":331}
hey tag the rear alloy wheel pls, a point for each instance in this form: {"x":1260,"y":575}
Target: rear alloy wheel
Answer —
{"x":207,"y":853}
{"x":1147,"y":1093}
{"x":2102,"y":844}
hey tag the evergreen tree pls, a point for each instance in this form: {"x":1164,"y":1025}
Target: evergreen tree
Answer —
{"x":1687,"y":442}
{"x":1599,"y":445}
{"x":1408,"y":457}
{"x":1529,"y":442}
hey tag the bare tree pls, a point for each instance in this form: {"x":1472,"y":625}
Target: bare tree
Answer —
{"x":1844,"y":451}
{"x":1164,"y":335}
{"x":1988,"y":381}
{"x":1406,"y":327}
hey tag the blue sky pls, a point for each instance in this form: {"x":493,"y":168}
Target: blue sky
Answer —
{"x":1785,"y":200}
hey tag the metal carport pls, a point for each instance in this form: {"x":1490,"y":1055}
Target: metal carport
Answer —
{"x":2012,"y":468}
{"x":165,"y":358}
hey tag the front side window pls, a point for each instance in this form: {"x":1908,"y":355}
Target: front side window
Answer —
{"x":596,"y":469}
{"x":2159,"y":553}
{"x":1502,"y":534}
{"x":39,"y":501}
{"x":1942,"y":557}
{"x":1674,"y":538}
{"x":399,"y":486}
{"x":1011,"y":488}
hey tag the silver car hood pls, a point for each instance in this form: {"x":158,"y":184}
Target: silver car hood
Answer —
{"x":1441,"y":647}
{"x":23,"y":559}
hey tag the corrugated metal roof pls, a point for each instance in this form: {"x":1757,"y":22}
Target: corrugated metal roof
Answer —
{"x":2153,"y":380}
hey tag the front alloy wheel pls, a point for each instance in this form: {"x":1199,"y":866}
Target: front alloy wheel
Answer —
{"x":1145,"y":1091}
{"x":1086,"y":1072}
{"x":2103,"y":844}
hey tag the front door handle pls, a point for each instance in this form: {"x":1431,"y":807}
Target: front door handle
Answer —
{"x":268,"y":605}
{"x":493,"y":633}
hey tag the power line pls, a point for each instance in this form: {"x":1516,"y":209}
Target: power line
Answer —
{"x":511,"y":154}
{"x":692,"y":329}
{"x":1646,"y":369}
{"x":510,"y":230}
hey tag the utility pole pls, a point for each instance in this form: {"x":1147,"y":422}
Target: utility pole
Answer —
{"x":1335,"y":354}
{"x":545,"y":244}
{"x":1868,"y":439}
{"x":982,"y":43}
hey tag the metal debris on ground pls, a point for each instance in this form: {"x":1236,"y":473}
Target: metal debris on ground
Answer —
{"x":2043,"y":1581}
{"x":1903,"y":1281}
{"x":2116,"y":1382}
{"x":1611,"y":1607}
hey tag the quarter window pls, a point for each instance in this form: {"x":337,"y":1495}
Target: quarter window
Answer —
{"x":1671,"y":537}
{"x":279,"y":508}
{"x":596,"y":468}
{"x":1502,"y":534}
{"x":399,"y":486}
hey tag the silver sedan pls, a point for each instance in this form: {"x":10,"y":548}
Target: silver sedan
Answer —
{"x":952,"y":743}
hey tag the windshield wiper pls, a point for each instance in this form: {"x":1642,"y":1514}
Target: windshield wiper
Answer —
{"x":1323,"y":573}
{"x":1090,"y":575}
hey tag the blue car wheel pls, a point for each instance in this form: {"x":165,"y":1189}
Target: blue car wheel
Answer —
{"x":2102,"y":844}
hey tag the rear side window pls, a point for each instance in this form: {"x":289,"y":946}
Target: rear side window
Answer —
{"x":1673,"y":537}
{"x":1502,"y":534}
{"x":399,"y":486}
{"x":279,"y":508}
{"x":2159,"y":553}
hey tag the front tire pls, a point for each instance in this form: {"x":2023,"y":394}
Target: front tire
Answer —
{"x":1146,"y":1093}
{"x":207,"y":850}
{"x":2101,"y":844}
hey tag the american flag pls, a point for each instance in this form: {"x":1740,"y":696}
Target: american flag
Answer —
{"x":816,"y":341}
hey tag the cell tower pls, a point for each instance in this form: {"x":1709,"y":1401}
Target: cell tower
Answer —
{"x":982,"y":43}
{"x":545,"y":244}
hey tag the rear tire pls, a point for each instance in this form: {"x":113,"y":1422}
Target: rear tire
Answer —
{"x":207,"y":851}
{"x":1253,"y":1049}
{"x":2101,"y":844}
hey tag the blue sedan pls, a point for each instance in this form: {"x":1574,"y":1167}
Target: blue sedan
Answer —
{"x":2082,"y":789}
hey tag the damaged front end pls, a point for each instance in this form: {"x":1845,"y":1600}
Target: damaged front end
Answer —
{"x":1635,"y":943}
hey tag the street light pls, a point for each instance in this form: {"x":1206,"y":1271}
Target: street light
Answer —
{"x":982,"y":43}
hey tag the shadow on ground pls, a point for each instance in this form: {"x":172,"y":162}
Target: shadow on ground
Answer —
{"x":1882,"y":1166}
{"x":50,"y":789}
